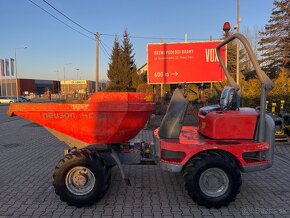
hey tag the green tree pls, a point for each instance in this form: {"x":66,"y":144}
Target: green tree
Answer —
{"x":122,"y":67}
{"x":128,"y":62}
{"x":281,"y":86}
{"x":113,"y":74}
{"x":275,"y":46}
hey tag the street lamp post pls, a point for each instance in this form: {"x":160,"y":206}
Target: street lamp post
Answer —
{"x":82,"y":77}
{"x":77,"y":73}
{"x":15,"y":67}
{"x":78,"y":85}
{"x":64,"y":83}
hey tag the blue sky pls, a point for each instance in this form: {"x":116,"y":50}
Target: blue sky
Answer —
{"x":51,"y":44}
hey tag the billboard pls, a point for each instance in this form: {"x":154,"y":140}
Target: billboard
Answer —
{"x":187,"y":62}
{"x":73,"y":82}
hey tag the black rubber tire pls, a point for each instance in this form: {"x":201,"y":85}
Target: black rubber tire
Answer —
{"x":197,"y":165}
{"x":86,"y":159}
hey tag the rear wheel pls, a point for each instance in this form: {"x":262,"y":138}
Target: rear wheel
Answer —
{"x":81,"y":178}
{"x":212,"y":179}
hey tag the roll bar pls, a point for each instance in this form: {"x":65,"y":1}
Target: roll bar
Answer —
{"x":266,"y":83}
{"x":262,"y":76}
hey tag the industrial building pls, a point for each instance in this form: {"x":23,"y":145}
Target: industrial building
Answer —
{"x":38,"y":87}
{"x":27,"y":86}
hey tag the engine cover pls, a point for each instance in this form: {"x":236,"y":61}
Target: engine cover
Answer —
{"x":238,"y":124}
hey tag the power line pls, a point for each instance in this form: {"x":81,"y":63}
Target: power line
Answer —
{"x":68,"y":18}
{"x":104,"y":34}
{"x":61,"y":20}
{"x":143,"y":37}
{"x":107,"y":46}
{"x":104,"y":49}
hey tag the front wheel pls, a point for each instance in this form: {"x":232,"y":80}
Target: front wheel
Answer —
{"x":212,"y":179}
{"x":81,"y":178}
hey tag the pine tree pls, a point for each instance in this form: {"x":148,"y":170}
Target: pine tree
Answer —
{"x":115,"y":67}
{"x":275,"y":45}
{"x":122,"y":67}
{"x":128,"y":58}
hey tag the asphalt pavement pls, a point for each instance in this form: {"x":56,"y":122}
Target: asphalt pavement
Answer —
{"x":28,"y":155}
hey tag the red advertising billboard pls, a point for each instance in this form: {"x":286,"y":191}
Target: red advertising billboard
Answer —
{"x":187,"y":62}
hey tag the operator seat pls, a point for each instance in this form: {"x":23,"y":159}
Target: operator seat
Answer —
{"x":172,"y":121}
{"x":229,"y":100}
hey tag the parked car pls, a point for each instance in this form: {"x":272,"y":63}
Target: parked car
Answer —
{"x":7,"y":100}
{"x":23,"y":99}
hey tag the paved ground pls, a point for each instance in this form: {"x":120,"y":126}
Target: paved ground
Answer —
{"x":28,"y":155}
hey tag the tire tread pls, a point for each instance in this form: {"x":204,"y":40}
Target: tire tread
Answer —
{"x":82,"y":155}
{"x":201,"y":161}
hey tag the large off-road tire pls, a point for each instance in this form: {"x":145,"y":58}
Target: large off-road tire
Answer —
{"x":81,"y":178}
{"x":212,"y":179}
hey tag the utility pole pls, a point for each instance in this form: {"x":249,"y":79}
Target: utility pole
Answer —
{"x":238,"y":43}
{"x":97,"y":62}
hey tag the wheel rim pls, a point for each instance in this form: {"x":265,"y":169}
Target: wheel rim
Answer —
{"x":80,"y":180}
{"x":214,"y":182}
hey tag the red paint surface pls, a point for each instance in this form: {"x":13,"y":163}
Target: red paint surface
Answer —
{"x":184,"y":62}
{"x":191,"y":143}
{"x":106,"y":118}
{"x":239,"y":124}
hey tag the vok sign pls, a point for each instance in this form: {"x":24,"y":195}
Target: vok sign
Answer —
{"x":186,"y":62}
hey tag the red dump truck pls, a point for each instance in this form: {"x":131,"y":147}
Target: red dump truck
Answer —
{"x":228,"y":140}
